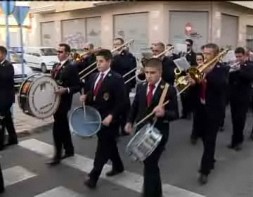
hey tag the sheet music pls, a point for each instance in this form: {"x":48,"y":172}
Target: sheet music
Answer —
{"x":182,"y":63}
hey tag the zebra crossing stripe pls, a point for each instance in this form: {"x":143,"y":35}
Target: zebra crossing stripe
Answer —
{"x":128,"y":180}
{"x":60,"y":192}
{"x":16,"y":174}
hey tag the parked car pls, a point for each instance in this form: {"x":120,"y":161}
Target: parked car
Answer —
{"x":42,"y":58}
{"x":16,"y":61}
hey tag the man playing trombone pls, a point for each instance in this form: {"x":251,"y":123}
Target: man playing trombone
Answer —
{"x":146,"y":100}
{"x":240,"y":80}
{"x":124,"y":63}
{"x":210,"y":105}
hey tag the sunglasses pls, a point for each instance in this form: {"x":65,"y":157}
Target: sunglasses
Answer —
{"x":60,"y":51}
{"x":86,"y":49}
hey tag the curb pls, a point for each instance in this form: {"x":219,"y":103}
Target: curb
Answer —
{"x":40,"y":129}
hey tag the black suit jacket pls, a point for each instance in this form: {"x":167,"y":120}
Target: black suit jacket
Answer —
{"x":111,"y":96}
{"x":123,"y":63}
{"x":168,"y":74}
{"x":139,"y":107}
{"x":7,"y":91}
{"x":67,"y":77}
{"x":240,"y":83}
{"x":217,"y":81}
{"x":190,"y":57}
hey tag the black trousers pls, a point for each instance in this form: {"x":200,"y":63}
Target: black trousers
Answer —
{"x":152,"y":186}
{"x":106,"y":149}
{"x":186,"y":103}
{"x":207,"y":128}
{"x":238,"y":113}
{"x":1,"y":180}
{"x":7,"y":123}
{"x":61,"y":134}
{"x":195,"y":133}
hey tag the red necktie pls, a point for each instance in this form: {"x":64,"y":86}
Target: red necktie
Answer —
{"x":57,"y":69}
{"x":150,"y":94}
{"x":203,"y":90}
{"x":99,"y":83}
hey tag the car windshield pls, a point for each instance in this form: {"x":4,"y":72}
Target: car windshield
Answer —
{"x":48,"y":52}
{"x":15,"y":58}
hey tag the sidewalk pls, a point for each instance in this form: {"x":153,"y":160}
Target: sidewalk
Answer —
{"x":26,"y":125}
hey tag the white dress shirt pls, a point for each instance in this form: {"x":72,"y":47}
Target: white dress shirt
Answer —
{"x":105,"y":73}
{"x":156,"y":85}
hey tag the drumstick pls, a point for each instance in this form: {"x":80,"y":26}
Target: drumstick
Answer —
{"x":84,"y":111}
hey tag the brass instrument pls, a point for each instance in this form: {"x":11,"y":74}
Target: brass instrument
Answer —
{"x":140,"y":77}
{"x":196,"y":73}
{"x":93,"y":69}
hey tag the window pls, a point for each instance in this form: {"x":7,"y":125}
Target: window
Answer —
{"x":249,"y":37}
{"x":48,"y":52}
{"x":48,"y":34}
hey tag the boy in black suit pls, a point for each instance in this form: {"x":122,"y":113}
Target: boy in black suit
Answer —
{"x":106,"y":92}
{"x":146,"y":100}
{"x":68,"y":80}
{"x":210,"y":107}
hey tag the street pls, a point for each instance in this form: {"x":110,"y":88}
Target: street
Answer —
{"x":27,"y":175}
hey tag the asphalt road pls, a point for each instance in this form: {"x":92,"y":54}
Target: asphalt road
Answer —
{"x":232,"y":177}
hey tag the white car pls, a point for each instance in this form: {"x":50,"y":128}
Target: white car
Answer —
{"x":42,"y":58}
{"x":17,"y":64}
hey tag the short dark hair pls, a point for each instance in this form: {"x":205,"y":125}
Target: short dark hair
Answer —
{"x":3,"y":50}
{"x":66,"y":47}
{"x":200,"y":54}
{"x":190,"y":41}
{"x":120,"y":39}
{"x":240,"y":50}
{"x":154,"y":63}
{"x":106,"y":53}
{"x":213,"y":46}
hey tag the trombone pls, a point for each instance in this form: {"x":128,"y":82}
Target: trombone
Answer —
{"x":93,"y":69}
{"x":197,"y":72}
{"x":134,"y":69}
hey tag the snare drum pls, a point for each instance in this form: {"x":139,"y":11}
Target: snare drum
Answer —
{"x":144,"y":142}
{"x":37,"y":96}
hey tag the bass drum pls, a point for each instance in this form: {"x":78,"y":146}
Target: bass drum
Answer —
{"x":143,"y":143}
{"x":37,"y":96}
{"x":85,"y":121}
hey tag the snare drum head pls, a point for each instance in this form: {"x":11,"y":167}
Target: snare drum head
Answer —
{"x":42,"y":100}
{"x":85,"y":124}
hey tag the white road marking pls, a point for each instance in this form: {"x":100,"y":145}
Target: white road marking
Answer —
{"x":128,"y":180}
{"x":59,"y":192}
{"x":16,"y":174}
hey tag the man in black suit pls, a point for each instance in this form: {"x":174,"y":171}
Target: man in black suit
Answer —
{"x":123,"y":61}
{"x":168,"y":65}
{"x":7,"y":98}
{"x":240,"y":81}
{"x":187,"y":96}
{"x":106,"y":92}
{"x":146,"y":101}
{"x":68,"y":80}
{"x":210,"y":107}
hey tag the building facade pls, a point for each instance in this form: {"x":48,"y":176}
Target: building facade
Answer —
{"x":76,"y":23}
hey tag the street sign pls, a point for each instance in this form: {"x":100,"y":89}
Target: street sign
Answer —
{"x":8,"y":7}
{"x":20,"y":13}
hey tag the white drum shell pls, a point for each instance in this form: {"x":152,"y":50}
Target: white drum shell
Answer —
{"x":144,"y":143}
{"x":39,"y":100}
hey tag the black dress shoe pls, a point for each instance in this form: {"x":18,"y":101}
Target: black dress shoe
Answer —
{"x":12,"y":143}
{"x":54,"y":162}
{"x":114,"y":172}
{"x":2,"y":190}
{"x":90,"y":183}
{"x":68,"y":155}
{"x":203,"y":179}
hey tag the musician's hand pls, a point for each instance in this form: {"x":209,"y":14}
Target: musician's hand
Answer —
{"x":128,"y":128}
{"x":61,"y":91}
{"x":82,"y":98}
{"x":107,"y":121}
{"x":159,"y":111}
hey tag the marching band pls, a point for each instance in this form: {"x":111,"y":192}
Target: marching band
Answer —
{"x":108,"y":77}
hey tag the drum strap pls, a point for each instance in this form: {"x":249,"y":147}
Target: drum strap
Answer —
{"x":165,"y":90}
